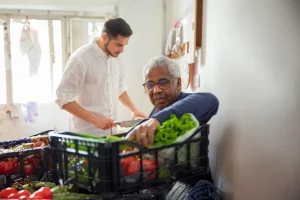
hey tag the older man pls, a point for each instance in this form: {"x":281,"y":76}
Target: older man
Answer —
{"x":163,"y":85}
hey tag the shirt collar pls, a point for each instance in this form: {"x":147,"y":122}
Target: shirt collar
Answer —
{"x":99,"y":51}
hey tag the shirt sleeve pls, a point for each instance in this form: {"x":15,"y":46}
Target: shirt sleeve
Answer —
{"x":202,"y":105}
{"x":72,"y":79}
{"x":122,"y":80}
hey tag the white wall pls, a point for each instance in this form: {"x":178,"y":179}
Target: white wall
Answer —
{"x":251,"y":63}
{"x":145,"y":18}
{"x":77,"y":31}
{"x":50,"y":117}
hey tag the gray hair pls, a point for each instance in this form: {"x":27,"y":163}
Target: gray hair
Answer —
{"x":162,"y":61}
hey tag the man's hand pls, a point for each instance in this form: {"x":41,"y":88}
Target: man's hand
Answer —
{"x":137,"y":113}
{"x":104,"y":123}
{"x":144,"y":133}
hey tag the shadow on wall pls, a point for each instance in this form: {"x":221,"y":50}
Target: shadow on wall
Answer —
{"x":226,"y":158}
{"x":253,"y":166}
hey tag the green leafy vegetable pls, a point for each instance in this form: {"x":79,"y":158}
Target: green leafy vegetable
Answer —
{"x":172,"y":128}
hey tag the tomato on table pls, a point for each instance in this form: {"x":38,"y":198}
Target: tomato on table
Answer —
{"x":43,"y":192}
{"x":24,"y":193}
{"x":13,"y":196}
{"x":8,"y":191}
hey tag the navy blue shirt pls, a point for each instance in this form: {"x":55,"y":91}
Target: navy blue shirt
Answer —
{"x":202,"y":105}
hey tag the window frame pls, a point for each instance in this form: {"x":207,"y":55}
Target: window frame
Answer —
{"x":64,"y":17}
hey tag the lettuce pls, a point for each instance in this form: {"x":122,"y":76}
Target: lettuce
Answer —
{"x":172,"y":128}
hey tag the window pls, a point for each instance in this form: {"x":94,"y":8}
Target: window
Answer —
{"x":57,"y":55}
{"x":2,"y":68}
{"x":94,"y":30}
{"x":54,"y":43}
{"x":37,"y":87}
{"x":84,"y":31}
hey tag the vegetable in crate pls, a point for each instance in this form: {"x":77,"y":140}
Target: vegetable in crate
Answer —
{"x":82,"y":170}
{"x":130,"y":167}
{"x":109,"y":138}
{"x":35,"y":185}
{"x":69,"y":192}
{"x":151,"y":133}
{"x":171,"y":129}
{"x":59,"y":189}
{"x":12,"y":143}
{"x":75,"y":196}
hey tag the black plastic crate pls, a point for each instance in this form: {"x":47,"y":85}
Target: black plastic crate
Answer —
{"x":25,"y":166}
{"x":11,"y":143}
{"x":95,"y":165}
{"x":42,"y":133}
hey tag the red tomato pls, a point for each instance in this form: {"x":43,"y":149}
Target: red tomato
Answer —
{"x":1,"y":167}
{"x":125,"y":162}
{"x":133,"y":168}
{"x":24,"y":193}
{"x":36,"y":162}
{"x":8,"y":167}
{"x":148,"y":165}
{"x":13,"y":196}
{"x":24,"y":197}
{"x":148,"y":161}
{"x":29,"y":170}
{"x":38,"y":144}
{"x":45,"y":192}
{"x":17,"y":169}
{"x":32,"y":160}
{"x":14,"y":161}
{"x":128,"y":160}
{"x":36,"y":195}
{"x":8,"y":191}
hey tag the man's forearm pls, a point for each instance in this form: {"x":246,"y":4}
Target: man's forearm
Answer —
{"x":126,"y":101}
{"x":77,"y":110}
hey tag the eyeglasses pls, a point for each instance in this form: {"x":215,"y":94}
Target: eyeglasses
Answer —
{"x":163,"y":84}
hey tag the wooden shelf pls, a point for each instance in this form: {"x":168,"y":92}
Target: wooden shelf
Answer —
{"x":198,"y":23}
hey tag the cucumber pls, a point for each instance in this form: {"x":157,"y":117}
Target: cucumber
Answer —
{"x":75,"y":196}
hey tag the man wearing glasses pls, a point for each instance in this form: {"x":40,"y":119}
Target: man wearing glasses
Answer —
{"x":163,"y":85}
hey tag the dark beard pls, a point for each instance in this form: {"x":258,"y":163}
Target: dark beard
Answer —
{"x":107,"y":50}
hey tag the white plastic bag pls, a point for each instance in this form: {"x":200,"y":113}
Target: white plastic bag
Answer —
{"x":34,"y":54}
{"x":30,"y":47}
{"x":26,"y":43}
{"x":194,"y":147}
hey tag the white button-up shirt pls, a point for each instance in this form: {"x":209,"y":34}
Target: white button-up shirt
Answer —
{"x":95,"y":81}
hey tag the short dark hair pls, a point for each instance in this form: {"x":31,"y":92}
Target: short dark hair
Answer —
{"x":115,"y":27}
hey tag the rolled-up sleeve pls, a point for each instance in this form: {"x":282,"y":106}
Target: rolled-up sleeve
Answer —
{"x":202,"y":105}
{"x":122,"y":80}
{"x":72,"y":79}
